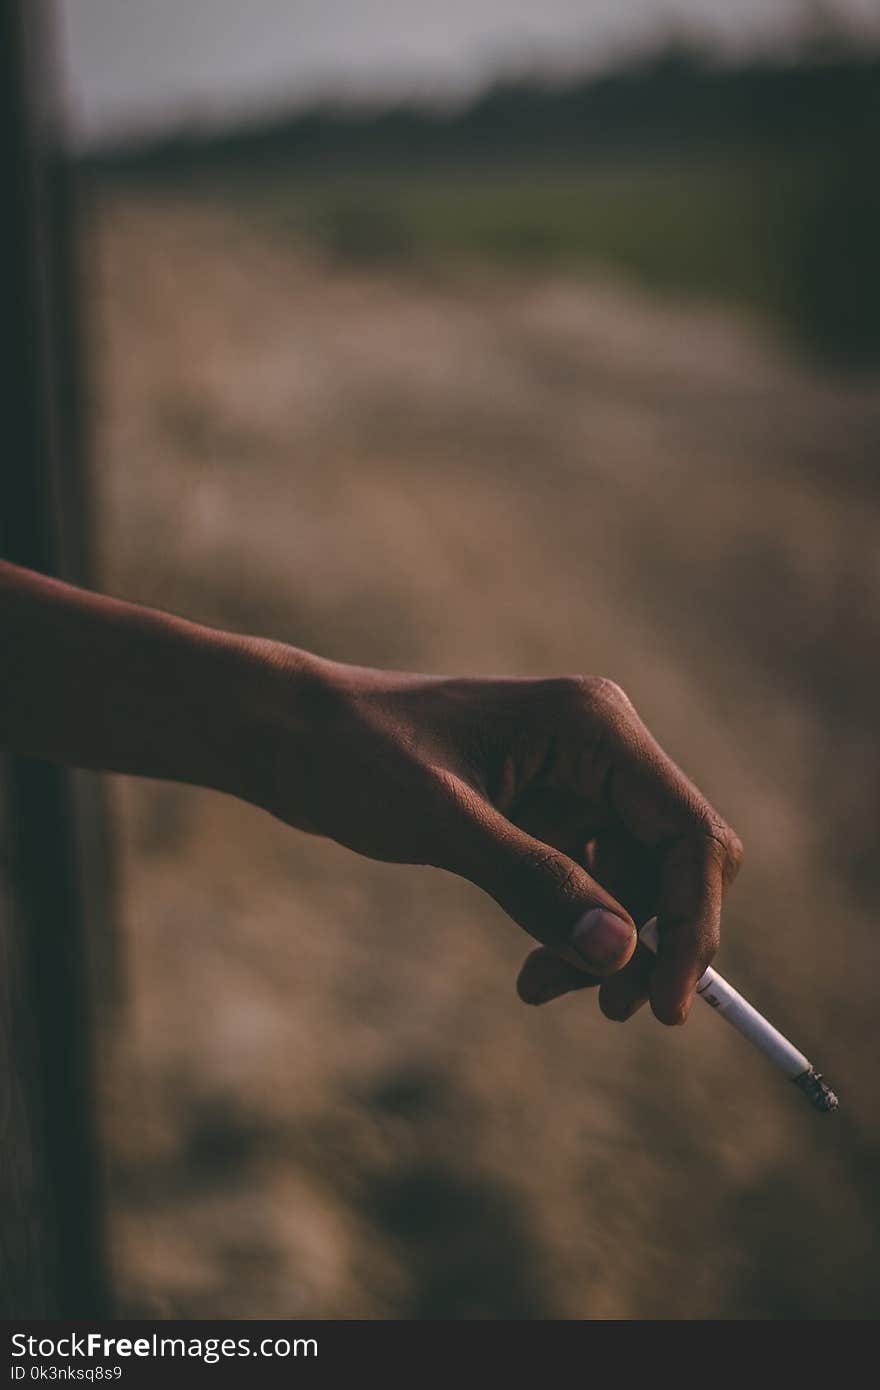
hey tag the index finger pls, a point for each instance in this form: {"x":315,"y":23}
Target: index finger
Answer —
{"x":689,"y":901}
{"x":698,"y":857}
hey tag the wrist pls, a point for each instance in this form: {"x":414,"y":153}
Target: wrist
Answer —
{"x":280,"y":698}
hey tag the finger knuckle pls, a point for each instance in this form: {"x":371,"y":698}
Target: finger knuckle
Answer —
{"x":604,"y":691}
{"x":568,"y":692}
{"x":550,"y":869}
{"x":720,"y":842}
{"x":593,"y":691}
{"x":593,"y":702}
{"x":735,"y":850}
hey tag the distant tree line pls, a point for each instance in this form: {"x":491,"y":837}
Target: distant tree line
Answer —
{"x":819,"y":113}
{"x":674,"y":100}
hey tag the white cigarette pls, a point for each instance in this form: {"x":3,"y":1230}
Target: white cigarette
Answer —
{"x":729,"y":1003}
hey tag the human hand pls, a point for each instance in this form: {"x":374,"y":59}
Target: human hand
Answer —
{"x":551,"y":795}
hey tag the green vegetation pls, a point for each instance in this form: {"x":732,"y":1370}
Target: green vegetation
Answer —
{"x":699,"y":227}
{"x":757,"y":184}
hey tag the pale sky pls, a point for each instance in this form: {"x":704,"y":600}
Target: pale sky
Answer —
{"x":145,"y":64}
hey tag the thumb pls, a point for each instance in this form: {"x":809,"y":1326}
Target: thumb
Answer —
{"x":551,"y":896}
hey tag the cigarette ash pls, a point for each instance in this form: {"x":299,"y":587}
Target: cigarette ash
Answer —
{"x":817,"y":1091}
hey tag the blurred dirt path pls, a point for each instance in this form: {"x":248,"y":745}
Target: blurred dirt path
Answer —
{"x":328,"y":1100}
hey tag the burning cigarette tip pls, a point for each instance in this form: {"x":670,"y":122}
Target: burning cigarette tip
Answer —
{"x":817,"y":1091}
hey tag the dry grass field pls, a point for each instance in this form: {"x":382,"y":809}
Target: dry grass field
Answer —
{"x":321,"y":1095}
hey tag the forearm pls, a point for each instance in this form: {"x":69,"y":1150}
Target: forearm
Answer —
{"x":95,"y":682}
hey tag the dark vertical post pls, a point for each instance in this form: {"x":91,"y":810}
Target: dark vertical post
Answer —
{"x":51,"y":1249}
